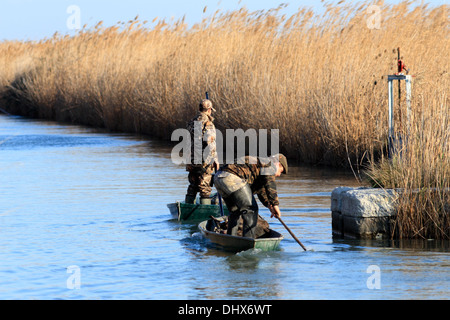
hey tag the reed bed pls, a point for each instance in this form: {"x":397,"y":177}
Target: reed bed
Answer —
{"x":420,"y":169}
{"x":320,"y":79}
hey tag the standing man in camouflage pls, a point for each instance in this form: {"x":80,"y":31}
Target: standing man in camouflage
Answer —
{"x":237,"y":183}
{"x":203,"y":154}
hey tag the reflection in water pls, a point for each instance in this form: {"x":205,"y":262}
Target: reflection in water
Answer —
{"x":77,"y":196}
{"x":418,"y":245}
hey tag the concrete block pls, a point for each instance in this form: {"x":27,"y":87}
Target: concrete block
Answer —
{"x":369,"y":203}
{"x":362,"y":212}
{"x":336,"y":197}
{"x":337,"y":221}
{"x":366,"y":228}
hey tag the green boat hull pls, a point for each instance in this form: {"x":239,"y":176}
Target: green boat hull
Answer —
{"x":269,"y":242}
{"x":195,"y":212}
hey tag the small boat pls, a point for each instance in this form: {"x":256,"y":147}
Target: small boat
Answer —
{"x":268,"y":242}
{"x":195,"y":212}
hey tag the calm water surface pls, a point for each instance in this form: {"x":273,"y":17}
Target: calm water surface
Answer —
{"x":72,"y":197}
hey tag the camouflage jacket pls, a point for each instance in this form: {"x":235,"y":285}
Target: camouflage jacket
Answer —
{"x":203,"y":141}
{"x":259,"y":175}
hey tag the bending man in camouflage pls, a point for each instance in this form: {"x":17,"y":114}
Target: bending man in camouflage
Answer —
{"x":237,"y":183}
{"x":203,"y":154}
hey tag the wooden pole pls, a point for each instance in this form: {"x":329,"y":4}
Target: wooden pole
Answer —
{"x":292,"y":234}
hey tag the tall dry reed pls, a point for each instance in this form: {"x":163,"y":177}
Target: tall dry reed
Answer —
{"x":420,"y":168}
{"x":320,"y":79}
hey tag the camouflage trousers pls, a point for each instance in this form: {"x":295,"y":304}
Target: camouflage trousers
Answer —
{"x":199,"y":180}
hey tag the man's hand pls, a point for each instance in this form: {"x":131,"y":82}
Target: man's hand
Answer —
{"x":216,"y":166}
{"x":275,"y":211}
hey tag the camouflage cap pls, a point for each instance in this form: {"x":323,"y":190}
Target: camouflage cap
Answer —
{"x":284,"y":163}
{"x":206,"y":104}
{"x":282,"y":159}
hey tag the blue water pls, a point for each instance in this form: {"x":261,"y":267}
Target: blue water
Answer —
{"x":83,"y":216}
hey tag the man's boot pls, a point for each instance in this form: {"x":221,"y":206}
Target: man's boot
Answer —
{"x":243,"y":204}
{"x":189,"y":199}
{"x":250,"y":218}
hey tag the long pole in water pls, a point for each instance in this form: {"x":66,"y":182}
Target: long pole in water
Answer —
{"x":292,"y":234}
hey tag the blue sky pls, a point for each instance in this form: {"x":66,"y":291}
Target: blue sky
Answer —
{"x":37,"y":19}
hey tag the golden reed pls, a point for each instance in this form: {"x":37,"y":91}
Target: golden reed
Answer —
{"x":320,"y":79}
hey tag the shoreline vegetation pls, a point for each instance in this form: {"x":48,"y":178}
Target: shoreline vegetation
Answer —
{"x":320,"y":79}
